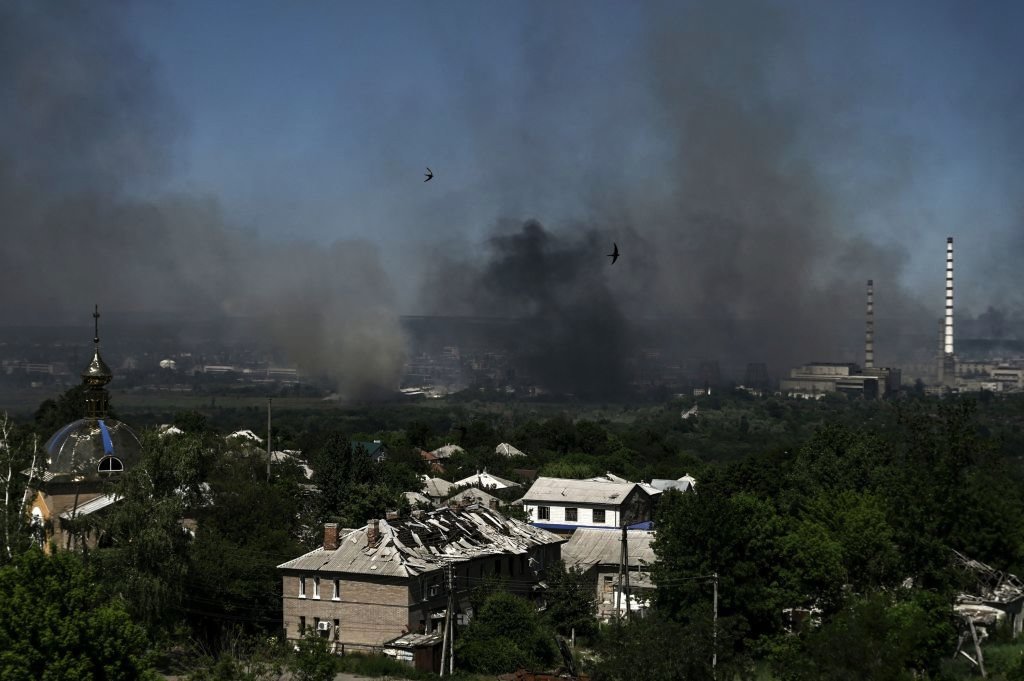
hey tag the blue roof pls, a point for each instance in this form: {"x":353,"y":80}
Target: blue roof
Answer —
{"x":646,"y":525}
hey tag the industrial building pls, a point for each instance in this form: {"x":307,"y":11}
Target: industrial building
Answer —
{"x":813,"y":381}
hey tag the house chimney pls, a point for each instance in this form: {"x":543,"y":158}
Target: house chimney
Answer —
{"x":494,"y":504}
{"x":330,"y":536}
{"x":869,"y":329}
{"x":372,"y":532}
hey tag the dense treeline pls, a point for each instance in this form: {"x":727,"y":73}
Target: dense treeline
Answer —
{"x":845,"y":509}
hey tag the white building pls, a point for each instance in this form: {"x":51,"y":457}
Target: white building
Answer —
{"x":563,"y":505}
{"x":485,"y":481}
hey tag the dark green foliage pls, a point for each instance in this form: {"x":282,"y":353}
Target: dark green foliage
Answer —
{"x":875,"y":638}
{"x":53,"y":414}
{"x":313,"y":661}
{"x":571,"y":601}
{"x":352,"y":488}
{"x":656,"y":649}
{"x":59,"y":623}
{"x":147,"y":558}
{"x":507,"y":633}
{"x":249,"y":528}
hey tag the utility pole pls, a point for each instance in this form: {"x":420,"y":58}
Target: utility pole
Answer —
{"x":626,"y":566}
{"x":269,"y":400}
{"x":618,"y":590}
{"x":714,"y":628}
{"x":448,"y":642}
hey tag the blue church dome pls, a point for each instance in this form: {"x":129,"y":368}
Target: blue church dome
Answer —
{"x":91,"y":449}
{"x":97,"y":446}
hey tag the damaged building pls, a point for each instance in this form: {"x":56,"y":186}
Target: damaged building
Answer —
{"x":996,"y":600}
{"x":388,"y":579}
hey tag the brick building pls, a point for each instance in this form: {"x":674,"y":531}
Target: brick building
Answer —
{"x":368,"y":586}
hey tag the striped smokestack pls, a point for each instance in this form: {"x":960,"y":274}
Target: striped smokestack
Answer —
{"x":947,"y":344}
{"x":869,"y":329}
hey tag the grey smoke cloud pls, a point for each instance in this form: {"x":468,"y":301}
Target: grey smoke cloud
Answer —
{"x":741,"y":232}
{"x":87,"y":131}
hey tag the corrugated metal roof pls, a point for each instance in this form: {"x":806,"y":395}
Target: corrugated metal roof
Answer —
{"x":506,"y":449}
{"x":485,"y":480}
{"x":681,"y":484}
{"x":91,"y":506}
{"x":436,"y":487}
{"x":565,"y":491}
{"x":474,"y":495}
{"x":414,"y":545}
{"x":589,"y":547}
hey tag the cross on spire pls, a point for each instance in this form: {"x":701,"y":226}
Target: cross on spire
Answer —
{"x":96,"y":321}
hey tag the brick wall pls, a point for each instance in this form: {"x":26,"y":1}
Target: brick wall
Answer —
{"x":369,"y":610}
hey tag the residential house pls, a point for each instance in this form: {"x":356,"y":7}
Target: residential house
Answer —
{"x":683,"y":484}
{"x":598,"y":553}
{"x":376,"y":450}
{"x":485,"y":481}
{"x":564,"y":505}
{"x":447,"y":451}
{"x":436,"y":489}
{"x":433,"y":461}
{"x":505,"y":449}
{"x":387,"y":579}
{"x":474,"y":495}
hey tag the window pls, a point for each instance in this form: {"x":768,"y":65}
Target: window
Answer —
{"x":598,"y":515}
{"x":337,"y":626}
{"x":302,"y":625}
{"x":543,"y":513}
{"x":111,"y":464}
{"x":302,"y":587}
{"x":316,"y":587}
{"x":570,"y":515}
{"x":337,"y":590}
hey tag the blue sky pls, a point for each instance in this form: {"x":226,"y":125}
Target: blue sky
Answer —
{"x":315,"y":120}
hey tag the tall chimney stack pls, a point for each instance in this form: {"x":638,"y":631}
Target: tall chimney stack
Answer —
{"x":948,"y":342}
{"x":869,"y":329}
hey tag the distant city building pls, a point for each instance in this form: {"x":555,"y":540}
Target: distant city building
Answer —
{"x":819,"y":378}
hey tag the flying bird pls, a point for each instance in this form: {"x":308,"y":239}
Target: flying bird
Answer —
{"x":429,"y":174}
{"x":614,"y":255}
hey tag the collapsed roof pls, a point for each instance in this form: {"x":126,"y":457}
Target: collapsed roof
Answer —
{"x":424,"y":542}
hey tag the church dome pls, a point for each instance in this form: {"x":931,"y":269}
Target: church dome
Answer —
{"x":97,"y":446}
{"x":91,"y":449}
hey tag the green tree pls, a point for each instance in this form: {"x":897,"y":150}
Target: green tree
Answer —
{"x":877,"y":637}
{"x":506,"y":633}
{"x":656,"y":649}
{"x":58,"y":623}
{"x":147,"y":556}
{"x":313,"y":659}
{"x":571,"y":600}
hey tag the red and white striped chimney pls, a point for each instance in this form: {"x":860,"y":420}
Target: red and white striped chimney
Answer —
{"x":947,"y":343}
{"x":869,"y":329}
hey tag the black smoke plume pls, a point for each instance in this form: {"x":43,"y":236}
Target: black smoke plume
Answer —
{"x":87,"y":132}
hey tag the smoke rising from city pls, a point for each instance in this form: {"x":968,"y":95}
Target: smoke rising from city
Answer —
{"x":744,"y":223}
{"x":88,"y":130}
